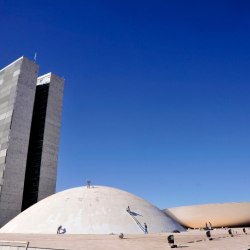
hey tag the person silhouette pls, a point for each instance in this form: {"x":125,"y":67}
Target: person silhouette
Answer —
{"x":128,"y":209}
{"x":59,"y":229}
{"x":88,"y":183}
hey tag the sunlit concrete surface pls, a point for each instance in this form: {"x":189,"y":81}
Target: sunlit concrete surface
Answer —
{"x":94,"y":210}
{"x":30,"y":120}
{"x":219,"y":215}
{"x":17,"y":93}
{"x":193,"y":240}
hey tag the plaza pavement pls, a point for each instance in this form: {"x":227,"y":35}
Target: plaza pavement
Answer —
{"x":192,"y":239}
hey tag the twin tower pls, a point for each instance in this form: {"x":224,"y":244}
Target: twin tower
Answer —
{"x":30,"y":119}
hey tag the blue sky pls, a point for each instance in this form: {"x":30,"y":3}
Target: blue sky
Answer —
{"x":156,"y":95}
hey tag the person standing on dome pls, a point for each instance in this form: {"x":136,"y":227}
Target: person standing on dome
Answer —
{"x":145,"y":228}
{"x":128,"y":209}
{"x":88,"y":183}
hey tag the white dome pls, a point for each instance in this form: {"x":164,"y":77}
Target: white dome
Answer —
{"x":95,"y":210}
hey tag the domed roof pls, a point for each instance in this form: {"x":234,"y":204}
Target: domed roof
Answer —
{"x":94,"y":210}
{"x":219,"y":215}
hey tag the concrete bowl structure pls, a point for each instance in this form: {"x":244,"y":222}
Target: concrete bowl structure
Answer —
{"x":219,"y":215}
{"x":93,"y":210}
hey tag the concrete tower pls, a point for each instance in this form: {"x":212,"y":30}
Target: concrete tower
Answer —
{"x":28,"y":116}
{"x":41,"y":170}
{"x":17,"y":92}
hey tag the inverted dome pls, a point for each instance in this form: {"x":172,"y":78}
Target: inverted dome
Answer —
{"x":219,"y":215}
{"x":95,"y":210}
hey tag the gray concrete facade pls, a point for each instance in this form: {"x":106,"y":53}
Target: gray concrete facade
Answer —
{"x":48,"y":172}
{"x":30,"y":119}
{"x":17,"y":92}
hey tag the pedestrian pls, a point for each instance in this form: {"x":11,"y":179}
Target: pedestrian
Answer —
{"x":145,"y":228}
{"x":59,"y":230}
{"x":128,"y":209}
{"x":88,"y":183}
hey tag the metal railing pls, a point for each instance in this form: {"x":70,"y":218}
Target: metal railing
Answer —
{"x":23,"y":244}
{"x":137,"y":222}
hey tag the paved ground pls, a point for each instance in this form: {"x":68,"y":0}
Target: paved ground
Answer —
{"x":193,"y":239}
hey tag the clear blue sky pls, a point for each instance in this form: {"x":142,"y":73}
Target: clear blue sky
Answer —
{"x":157,"y":93}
